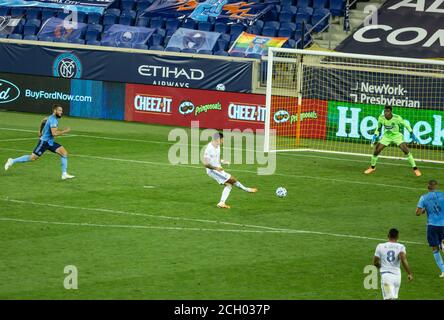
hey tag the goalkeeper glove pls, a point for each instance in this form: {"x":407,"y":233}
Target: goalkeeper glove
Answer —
{"x":374,"y":138}
{"x":414,"y":138}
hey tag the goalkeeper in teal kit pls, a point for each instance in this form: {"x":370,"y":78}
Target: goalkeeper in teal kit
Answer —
{"x":392,"y":135}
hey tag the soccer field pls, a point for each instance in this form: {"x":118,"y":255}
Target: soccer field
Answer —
{"x":137,"y":227}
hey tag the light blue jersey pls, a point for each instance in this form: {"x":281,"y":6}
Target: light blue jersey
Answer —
{"x":433,"y":202}
{"x":47,"y":136}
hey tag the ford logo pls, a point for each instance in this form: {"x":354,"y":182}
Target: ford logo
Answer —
{"x":281,"y":116}
{"x":186,"y":107}
{"x":8,"y":91}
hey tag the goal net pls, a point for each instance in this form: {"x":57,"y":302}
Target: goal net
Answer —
{"x":330,"y":102}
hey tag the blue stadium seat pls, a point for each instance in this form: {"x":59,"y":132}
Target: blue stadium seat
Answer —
{"x":46,"y":14}
{"x":285,"y":16}
{"x":254,"y":56}
{"x":302,"y":17}
{"x":337,"y":8}
{"x":81,"y":17}
{"x":33,"y":13}
{"x":271,"y":15}
{"x":209,"y":52}
{"x":172,"y":24}
{"x":30,"y":37}
{"x":94,"y":18}
{"x":92,"y":35}
{"x":234,"y":37}
{"x":141,"y":46}
{"x":288,"y":25}
{"x":320,"y":4}
{"x":142,"y":5}
{"x":305,"y":3}
{"x":290,"y":43}
{"x":237,"y":54}
{"x":4,"y":11}
{"x":320,"y":19}
{"x":156,"y":40}
{"x":205,"y":26}
{"x":47,"y":39}
{"x":126,"y":20}
{"x":31,"y":27}
{"x":157,"y":23}
{"x":109,"y":19}
{"x":222,"y":44}
{"x":158,"y":48}
{"x":15,"y":36}
{"x":3,"y":36}
{"x":62,"y":15}
{"x":236,"y":28}
{"x":172,"y":49}
{"x":221,"y":53}
{"x":291,"y":9}
{"x":272,"y":24}
{"x":189,"y":50}
{"x":285,"y":32}
{"x":143,"y":21}
{"x":114,"y":11}
{"x":220,"y":27}
{"x":93,"y":43}
{"x":127,"y":4}
{"x":254,"y":30}
{"x":269,"y":32}
{"x":108,"y":43}
{"x":95,"y":27}
{"x":189,"y":24}
{"x":17,"y":11}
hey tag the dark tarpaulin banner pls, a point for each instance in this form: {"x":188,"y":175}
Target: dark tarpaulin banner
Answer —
{"x":193,"y":39}
{"x":242,"y":11}
{"x":8,"y":24}
{"x":127,"y":67}
{"x":404,"y":28}
{"x":60,"y":28}
{"x":87,"y":6}
{"x":119,"y":34}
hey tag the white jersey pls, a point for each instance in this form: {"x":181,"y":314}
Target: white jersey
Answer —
{"x":388,"y":253}
{"x":212,"y":155}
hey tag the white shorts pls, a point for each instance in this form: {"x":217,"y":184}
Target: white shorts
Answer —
{"x":220,"y":176}
{"x":390,"y":284}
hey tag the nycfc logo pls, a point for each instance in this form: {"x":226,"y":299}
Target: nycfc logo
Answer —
{"x":68,"y":66}
{"x":194,"y":41}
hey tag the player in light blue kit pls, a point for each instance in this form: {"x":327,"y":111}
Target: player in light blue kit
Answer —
{"x":432,"y":203}
{"x":48,"y":130}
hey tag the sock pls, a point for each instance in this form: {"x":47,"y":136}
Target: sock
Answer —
{"x":64,"y":164}
{"x":438,"y":260}
{"x":411,"y":160}
{"x":225,"y":193}
{"x":241,"y":186}
{"x":373,"y":161}
{"x":22,"y":159}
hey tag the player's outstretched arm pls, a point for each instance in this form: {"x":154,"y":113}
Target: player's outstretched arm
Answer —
{"x":376,"y":262}
{"x":56,"y":132}
{"x":420,"y":211}
{"x":207,"y":164}
{"x":406,"y":266}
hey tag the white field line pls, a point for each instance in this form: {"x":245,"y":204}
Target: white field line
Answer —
{"x":263,"y":228}
{"x":234,"y":170}
{"x":295,"y":154}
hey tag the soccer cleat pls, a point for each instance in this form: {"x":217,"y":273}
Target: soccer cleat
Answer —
{"x":223,"y":205}
{"x":253,"y":190}
{"x":442,"y":275}
{"x":370,"y":170}
{"x":66,"y":176}
{"x":8,"y":164}
{"x":417,"y":172}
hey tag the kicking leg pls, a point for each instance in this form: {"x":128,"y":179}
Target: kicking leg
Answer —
{"x":61,"y":151}
{"x":236,"y":183}
{"x":438,"y":260}
{"x":405,"y":149}
{"x":378,"y":149}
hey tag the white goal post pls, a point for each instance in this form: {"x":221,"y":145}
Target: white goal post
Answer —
{"x":329,"y":102}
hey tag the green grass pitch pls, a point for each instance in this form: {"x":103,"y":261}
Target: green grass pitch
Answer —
{"x":137,"y":227}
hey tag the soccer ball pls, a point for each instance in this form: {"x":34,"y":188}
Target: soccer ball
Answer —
{"x":281,"y":192}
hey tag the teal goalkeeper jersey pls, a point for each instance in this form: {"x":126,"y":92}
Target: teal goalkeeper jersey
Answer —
{"x":391,"y":127}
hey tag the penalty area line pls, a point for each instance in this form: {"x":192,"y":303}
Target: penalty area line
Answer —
{"x":264,"y":229}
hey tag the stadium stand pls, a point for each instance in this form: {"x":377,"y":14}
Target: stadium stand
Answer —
{"x":288,"y":18}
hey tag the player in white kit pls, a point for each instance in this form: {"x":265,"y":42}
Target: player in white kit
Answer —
{"x":213,"y":162}
{"x":388,"y":257}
